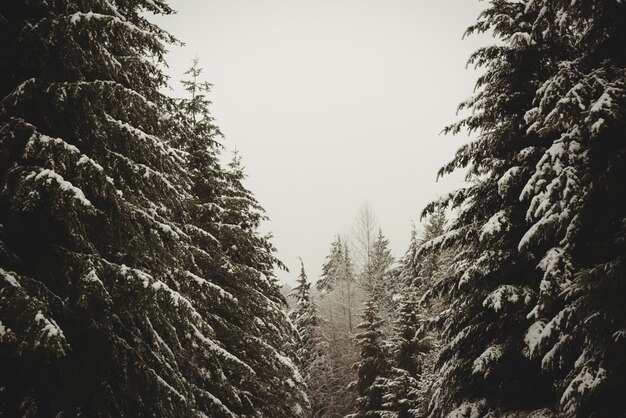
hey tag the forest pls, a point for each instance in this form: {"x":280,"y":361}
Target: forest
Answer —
{"x":137,"y":280}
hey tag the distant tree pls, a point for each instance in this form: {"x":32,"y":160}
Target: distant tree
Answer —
{"x":332,"y":269}
{"x":304,"y":317}
{"x":372,"y":366}
{"x":363,"y":235}
{"x":410,"y":344}
{"x":377,"y":279}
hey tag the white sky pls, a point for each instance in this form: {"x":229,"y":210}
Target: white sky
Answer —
{"x":332,"y":103}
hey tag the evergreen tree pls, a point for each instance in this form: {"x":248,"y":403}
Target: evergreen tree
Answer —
{"x":312,"y":349}
{"x":576,"y":206}
{"x":333,"y":268}
{"x":115,"y":299}
{"x":304,"y":317}
{"x":225,"y":213}
{"x":372,"y":367}
{"x":410,"y":344}
{"x":377,"y":279}
{"x":534,"y":322}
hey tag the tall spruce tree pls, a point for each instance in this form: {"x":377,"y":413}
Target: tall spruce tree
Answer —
{"x":372,"y":366}
{"x":534,"y":322}
{"x":409,"y":346}
{"x":312,"y":350}
{"x":304,"y":317}
{"x":332,"y":270}
{"x":577,"y":208}
{"x":377,"y":279}
{"x":225,"y":213}
{"x":484,"y":367}
{"x":115,"y":299}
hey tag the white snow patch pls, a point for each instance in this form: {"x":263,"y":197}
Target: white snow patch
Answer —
{"x":50,"y":327}
{"x":49,"y":176}
{"x":504,"y":183}
{"x":9,"y":278}
{"x":494,"y":225}
{"x":3,"y":330}
{"x":484,"y":363}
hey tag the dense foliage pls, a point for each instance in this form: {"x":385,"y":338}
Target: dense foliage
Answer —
{"x":134,"y":281}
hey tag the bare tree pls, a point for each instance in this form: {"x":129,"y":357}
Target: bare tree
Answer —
{"x":363,"y":234}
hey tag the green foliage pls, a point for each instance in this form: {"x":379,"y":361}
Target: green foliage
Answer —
{"x":530,"y":326}
{"x":372,"y":367}
{"x":133,"y":279}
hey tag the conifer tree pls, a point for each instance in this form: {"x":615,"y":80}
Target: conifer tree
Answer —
{"x":312,"y":349}
{"x":534,"y":322}
{"x":333,"y":268}
{"x":115,"y":299}
{"x":224,"y":212}
{"x":304,"y":317}
{"x":377,"y":279}
{"x":408,"y":348}
{"x":372,"y":367}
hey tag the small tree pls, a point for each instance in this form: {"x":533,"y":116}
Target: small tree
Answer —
{"x":372,"y":368}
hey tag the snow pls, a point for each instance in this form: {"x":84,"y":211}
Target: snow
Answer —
{"x":533,"y":337}
{"x":605,"y":102}
{"x":50,"y":176}
{"x":50,"y":327}
{"x":289,"y":364}
{"x":3,"y":330}
{"x":167,"y":385}
{"x":202,"y":282}
{"x":84,"y":159}
{"x":504,"y":183}
{"x":494,"y":225}
{"x":80,"y":16}
{"x":587,"y":380}
{"x":484,"y":363}
{"x":522,"y":38}
{"x":507,"y":293}
{"x":92,"y":276}
{"x":597,"y":126}
{"x":56,"y":141}
{"x":219,"y":350}
{"x":9,"y":278}
{"x":468,"y":410}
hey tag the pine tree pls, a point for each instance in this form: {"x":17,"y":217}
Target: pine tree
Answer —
{"x":114,"y":300}
{"x":377,"y":279}
{"x":304,"y":317}
{"x":576,"y":205}
{"x":492,"y":286}
{"x":333,"y":268}
{"x":372,"y":367}
{"x":225,"y":212}
{"x":410,"y":344}
{"x":312,"y":349}
{"x":534,"y":321}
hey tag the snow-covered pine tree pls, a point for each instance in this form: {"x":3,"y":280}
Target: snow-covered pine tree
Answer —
{"x":372,"y":366}
{"x":332,"y":267}
{"x":255,"y":330}
{"x":305,"y":319}
{"x":576,"y":204}
{"x":312,"y":350}
{"x":409,"y":346}
{"x":414,"y":341}
{"x":547,"y":211}
{"x":106,"y":309}
{"x":376,"y":278}
{"x":485,"y":367}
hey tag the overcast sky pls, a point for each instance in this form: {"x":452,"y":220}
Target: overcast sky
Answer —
{"x":332,"y":103}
